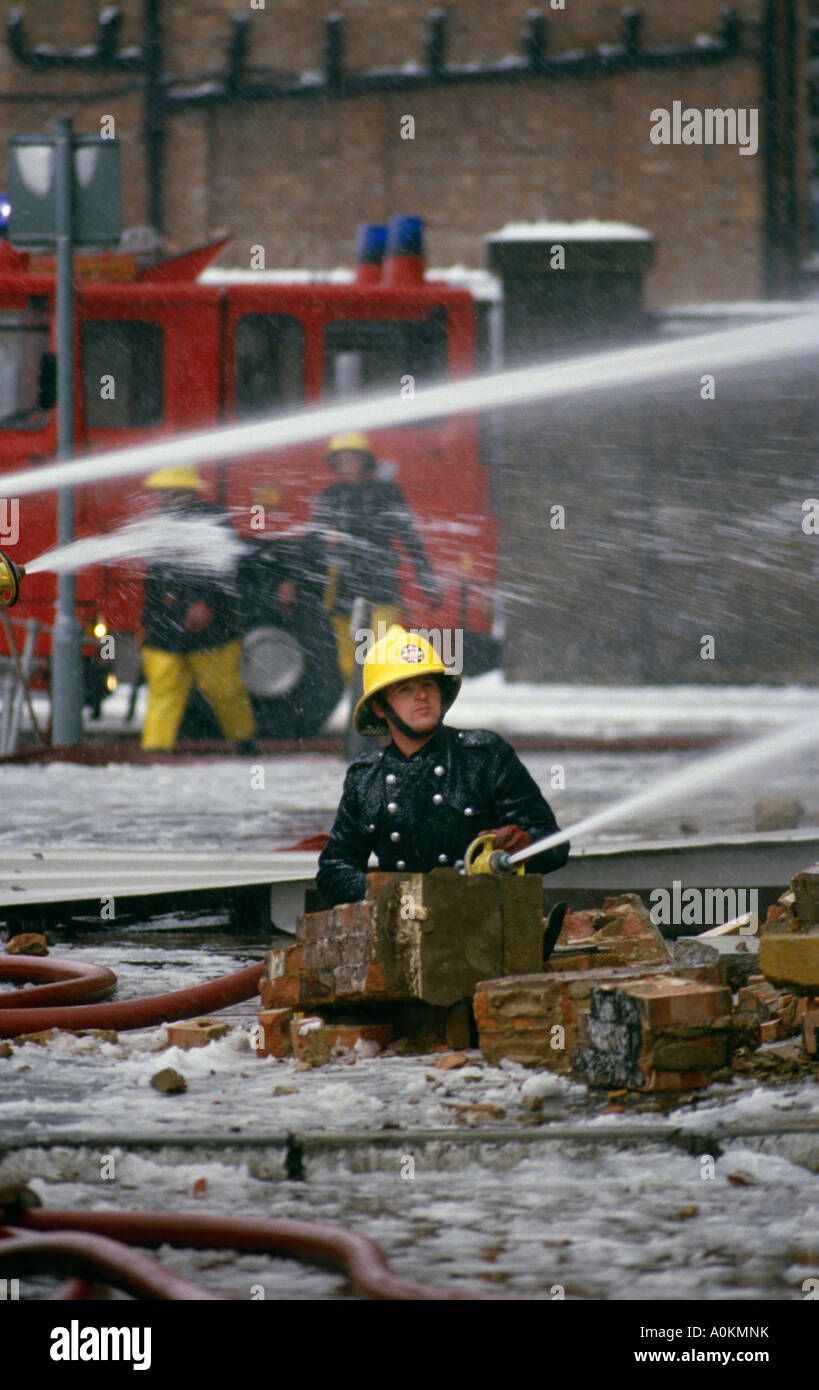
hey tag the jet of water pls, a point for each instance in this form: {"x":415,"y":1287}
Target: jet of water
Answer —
{"x":197,"y":543}
{"x":620,"y":369}
{"x":702,"y":773}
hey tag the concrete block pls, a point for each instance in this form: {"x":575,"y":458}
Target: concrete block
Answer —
{"x":792,"y":961}
{"x":690,"y":950}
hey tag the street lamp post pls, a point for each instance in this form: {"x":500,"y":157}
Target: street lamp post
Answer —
{"x":66,"y":654}
{"x":65,"y":188}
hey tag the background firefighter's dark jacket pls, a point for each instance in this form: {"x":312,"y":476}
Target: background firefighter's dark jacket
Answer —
{"x":369,"y":518}
{"x":171,"y":588}
{"x":421,"y":813}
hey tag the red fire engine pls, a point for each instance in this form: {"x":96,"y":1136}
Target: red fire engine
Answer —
{"x":186,"y":353}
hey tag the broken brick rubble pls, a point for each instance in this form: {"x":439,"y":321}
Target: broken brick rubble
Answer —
{"x":622,"y":933}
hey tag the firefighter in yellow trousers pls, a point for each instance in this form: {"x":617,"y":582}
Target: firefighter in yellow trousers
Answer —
{"x":190,"y":631}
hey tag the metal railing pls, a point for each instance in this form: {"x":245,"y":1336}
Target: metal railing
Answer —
{"x":16,"y":671}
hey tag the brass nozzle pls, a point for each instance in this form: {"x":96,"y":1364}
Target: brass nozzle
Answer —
{"x":10,"y":576}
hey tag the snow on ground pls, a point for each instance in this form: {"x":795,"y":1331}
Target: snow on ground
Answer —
{"x":535,"y":1216}
{"x":575,"y":711}
{"x":221,"y":802}
{"x":589,"y":1219}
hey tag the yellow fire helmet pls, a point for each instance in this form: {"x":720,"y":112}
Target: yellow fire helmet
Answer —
{"x":352,"y":440}
{"x":178,"y":479}
{"x":400,"y":656}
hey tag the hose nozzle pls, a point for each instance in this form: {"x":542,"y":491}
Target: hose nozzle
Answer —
{"x":482,"y":858}
{"x":10,"y":576}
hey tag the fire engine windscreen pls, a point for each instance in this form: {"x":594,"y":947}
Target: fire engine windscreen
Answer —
{"x":24,"y":364}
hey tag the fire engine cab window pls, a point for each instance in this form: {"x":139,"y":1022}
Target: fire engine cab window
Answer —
{"x":369,"y":354}
{"x":268,"y":363}
{"x":23,"y":344}
{"x":122,"y":374}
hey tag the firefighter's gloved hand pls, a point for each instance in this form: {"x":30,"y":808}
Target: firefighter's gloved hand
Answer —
{"x":510,"y":838}
{"x":198,"y":616}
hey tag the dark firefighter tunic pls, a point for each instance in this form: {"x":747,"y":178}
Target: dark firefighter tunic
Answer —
{"x":369,"y":518}
{"x":171,"y":588}
{"x":421,"y":813}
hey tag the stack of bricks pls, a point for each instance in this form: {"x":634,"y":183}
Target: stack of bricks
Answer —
{"x":335,"y":957}
{"x":622,"y":934}
{"x":410,"y":955}
{"x":656,"y":1034}
{"x":427,"y":937}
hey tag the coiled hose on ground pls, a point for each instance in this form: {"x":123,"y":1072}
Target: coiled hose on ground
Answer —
{"x":54,"y":1005}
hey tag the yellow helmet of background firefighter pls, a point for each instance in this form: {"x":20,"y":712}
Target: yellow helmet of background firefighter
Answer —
{"x":177,"y":479}
{"x":355,"y":442}
{"x":400,"y":656}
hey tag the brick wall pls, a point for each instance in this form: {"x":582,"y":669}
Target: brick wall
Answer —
{"x":298,"y":175}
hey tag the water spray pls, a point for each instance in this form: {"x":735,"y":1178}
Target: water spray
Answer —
{"x":481,"y":857}
{"x":622,"y":368}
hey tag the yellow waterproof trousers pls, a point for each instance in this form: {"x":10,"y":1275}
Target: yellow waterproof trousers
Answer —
{"x":346,"y":645}
{"x":170,"y":679}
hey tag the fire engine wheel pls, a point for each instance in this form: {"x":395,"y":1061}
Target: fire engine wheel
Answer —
{"x":290,"y":669}
{"x":292,"y":674}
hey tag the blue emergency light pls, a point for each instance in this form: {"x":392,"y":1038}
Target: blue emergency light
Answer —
{"x":371,"y":243}
{"x":405,"y":236}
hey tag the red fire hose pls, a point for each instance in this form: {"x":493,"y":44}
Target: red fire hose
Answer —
{"x":361,"y":1259}
{"x":104,"y":1260}
{"x":97,"y":1244}
{"x":84,"y":981}
{"x":78,"y":980}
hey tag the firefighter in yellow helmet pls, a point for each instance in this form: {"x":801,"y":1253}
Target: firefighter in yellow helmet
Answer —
{"x":357,"y":522}
{"x":190,"y":630}
{"x":418,"y":803}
